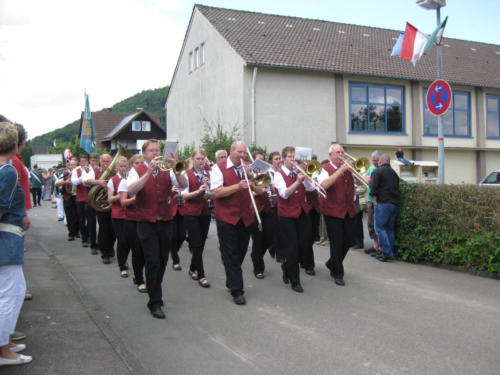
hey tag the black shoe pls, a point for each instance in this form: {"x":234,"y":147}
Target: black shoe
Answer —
{"x":340,"y":282}
{"x":286,"y":280}
{"x":310,"y":271}
{"x":240,"y":300}
{"x":85,"y":244}
{"x":375,"y":254}
{"x":157,"y":312}
{"x":71,"y":238}
{"x":298,"y":288}
{"x":106,"y":260}
{"x":93,"y":251}
{"x":259,"y":275}
{"x":384,"y":258}
{"x":60,"y":219}
{"x":77,"y":235}
{"x":370,"y":250}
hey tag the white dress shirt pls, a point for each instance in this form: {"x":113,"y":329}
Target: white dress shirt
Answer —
{"x":75,"y":180}
{"x":324,"y":174}
{"x":280,"y":184}
{"x":111,"y":186}
{"x":216,"y":177}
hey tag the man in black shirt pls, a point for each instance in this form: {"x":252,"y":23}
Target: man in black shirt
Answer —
{"x":385,"y":191}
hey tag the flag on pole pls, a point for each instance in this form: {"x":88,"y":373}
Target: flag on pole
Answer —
{"x":396,"y":50}
{"x":88,"y":134}
{"x":413,"y":44}
{"x":436,"y":36}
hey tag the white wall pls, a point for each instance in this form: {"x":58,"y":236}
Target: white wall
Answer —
{"x":460,"y":166}
{"x":45,"y":160}
{"x":292,"y":109}
{"x":210,"y":94}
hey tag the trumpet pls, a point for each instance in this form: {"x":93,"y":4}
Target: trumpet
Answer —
{"x":312,"y":171}
{"x":179,"y":167}
{"x":358,"y":167}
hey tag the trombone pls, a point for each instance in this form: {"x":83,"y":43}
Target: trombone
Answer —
{"x":358,"y":167}
{"x":251,"y":194}
{"x":312,"y":171}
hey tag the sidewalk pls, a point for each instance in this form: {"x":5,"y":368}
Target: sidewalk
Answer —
{"x":65,"y":333}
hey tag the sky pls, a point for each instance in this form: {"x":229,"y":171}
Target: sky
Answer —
{"x":52,"y":51}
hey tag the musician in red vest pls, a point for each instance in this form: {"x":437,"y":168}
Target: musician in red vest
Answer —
{"x":234,"y":215}
{"x":85,"y":216}
{"x":262,"y":239}
{"x":293,"y":218}
{"x":106,"y":235}
{"x":118,"y":214}
{"x":196,"y":214}
{"x":338,"y":210}
{"x":153,"y":188}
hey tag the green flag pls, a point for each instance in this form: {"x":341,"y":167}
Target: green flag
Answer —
{"x":435,"y":36}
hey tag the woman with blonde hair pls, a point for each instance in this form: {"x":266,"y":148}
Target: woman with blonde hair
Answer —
{"x":13,"y":224}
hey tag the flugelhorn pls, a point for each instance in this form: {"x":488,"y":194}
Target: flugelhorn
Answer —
{"x":179,"y":167}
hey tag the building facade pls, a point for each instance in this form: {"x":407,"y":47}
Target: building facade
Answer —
{"x":293,"y":81}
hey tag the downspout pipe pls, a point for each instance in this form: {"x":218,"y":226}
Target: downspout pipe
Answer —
{"x":254,"y":79}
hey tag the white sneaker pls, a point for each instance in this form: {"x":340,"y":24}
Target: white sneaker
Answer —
{"x":21,"y":360}
{"x":18,"y":348}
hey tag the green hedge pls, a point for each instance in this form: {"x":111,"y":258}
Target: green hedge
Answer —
{"x":455,"y":225}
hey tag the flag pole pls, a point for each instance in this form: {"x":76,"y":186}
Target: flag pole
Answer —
{"x":439,"y":58}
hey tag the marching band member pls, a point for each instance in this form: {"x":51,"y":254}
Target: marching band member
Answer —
{"x":118,"y":214}
{"x":262,"y":240}
{"x":196,"y":214}
{"x":106,"y":236}
{"x":274,"y":250}
{"x":69,"y":199}
{"x":152,"y":187}
{"x":130,"y":227}
{"x":338,"y":210}
{"x":234,"y":215}
{"x":85,"y":217}
{"x":178,"y":228}
{"x":220,"y":155}
{"x":294,"y":222}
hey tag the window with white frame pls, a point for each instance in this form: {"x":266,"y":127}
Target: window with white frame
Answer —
{"x":146,"y":126}
{"x":456,"y":121}
{"x":136,"y":126}
{"x":493,"y":116}
{"x":196,"y":58}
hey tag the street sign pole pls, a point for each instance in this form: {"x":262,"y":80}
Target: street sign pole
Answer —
{"x":439,"y":55}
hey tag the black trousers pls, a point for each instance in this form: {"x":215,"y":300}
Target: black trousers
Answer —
{"x":36,"y":193}
{"x":130,"y":231}
{"x":296,"y":236}
{"x":341,"y":234}
{"x":178,"y":237}
{"x":87,"y":223}
{"x":233,"y":241}
{"x":359,"y":237}
{"x":197,"y":230}
{"x":261,"y":241}
{"x":122,"y":246}
{"x":106,"y":236}
{"x":71,"y":216}
{"x":314,"y":215}
{"x":155,"y":242}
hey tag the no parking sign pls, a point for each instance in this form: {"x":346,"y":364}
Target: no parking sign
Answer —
{"x":439,"y":97}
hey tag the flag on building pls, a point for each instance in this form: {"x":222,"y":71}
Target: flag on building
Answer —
{"x":88,"y":134}
{"x":396,"y":50}
{"x":436,"y":36}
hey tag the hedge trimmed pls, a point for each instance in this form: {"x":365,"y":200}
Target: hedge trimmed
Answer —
{"x":455,"y":225}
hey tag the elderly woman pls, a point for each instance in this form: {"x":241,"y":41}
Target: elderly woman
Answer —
{"x":13,"y":223}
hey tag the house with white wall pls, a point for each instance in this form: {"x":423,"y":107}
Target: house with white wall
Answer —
{"x":302,"y":82}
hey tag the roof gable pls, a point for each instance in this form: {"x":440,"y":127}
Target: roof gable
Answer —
{"x":306,"y":44}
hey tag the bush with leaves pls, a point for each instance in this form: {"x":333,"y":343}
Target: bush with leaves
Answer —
{"x":450,"y":224}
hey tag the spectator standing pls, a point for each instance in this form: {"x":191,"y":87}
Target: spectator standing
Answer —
{"x":385,"y":190}
{"x":13,"y":224}
{"x":375,"y":249}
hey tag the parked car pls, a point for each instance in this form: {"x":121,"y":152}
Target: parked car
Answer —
{"x":493,"y":179}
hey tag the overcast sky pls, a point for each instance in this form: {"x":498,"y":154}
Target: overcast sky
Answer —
{"x":53,"y":50}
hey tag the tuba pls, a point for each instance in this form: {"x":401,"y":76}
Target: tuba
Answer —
{"x":98,"y":195}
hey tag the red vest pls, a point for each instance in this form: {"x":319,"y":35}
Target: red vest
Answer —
{"x":153,"y":201}
{"x":296,"y":202}
{"x":313,"y":200}
{"x":82,"y":190}
{"x":117,"y":211}
{"x":198,"y":205}
{"x":66,"y":177}
{"x":131,"y":212}
{"x":262,"y":203}
{"x":236,"y":207}
{"x":340,"y":196}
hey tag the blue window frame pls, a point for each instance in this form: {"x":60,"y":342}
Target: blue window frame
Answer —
{"x":376,"y":109}
{"x":493,"y":116}
{"x":456,"y":121}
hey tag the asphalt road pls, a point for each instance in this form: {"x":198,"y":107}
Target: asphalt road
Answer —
{"x":390,"y":318}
